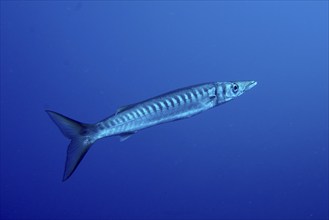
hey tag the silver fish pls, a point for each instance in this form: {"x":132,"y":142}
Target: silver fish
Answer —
{"x":175,"y":105}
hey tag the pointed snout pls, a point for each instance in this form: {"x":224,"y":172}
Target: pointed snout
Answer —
{"x":249,"y":85}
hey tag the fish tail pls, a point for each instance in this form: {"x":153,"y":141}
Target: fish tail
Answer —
{"x":79,"y":134}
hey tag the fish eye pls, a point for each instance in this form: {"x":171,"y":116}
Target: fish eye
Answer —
{"x":235,"y":87}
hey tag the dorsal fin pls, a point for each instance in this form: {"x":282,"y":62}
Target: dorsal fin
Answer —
{"x":124,"y":108}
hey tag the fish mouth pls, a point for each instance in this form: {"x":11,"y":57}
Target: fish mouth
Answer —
{"x":250,"y":85}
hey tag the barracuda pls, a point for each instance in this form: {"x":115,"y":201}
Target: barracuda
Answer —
{"x":175,"y":105}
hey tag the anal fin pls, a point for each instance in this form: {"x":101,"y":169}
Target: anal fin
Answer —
{"x":125,"y":136}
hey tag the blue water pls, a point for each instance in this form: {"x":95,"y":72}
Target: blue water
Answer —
{"x":261,"y":156}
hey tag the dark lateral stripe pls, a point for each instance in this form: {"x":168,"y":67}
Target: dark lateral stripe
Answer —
{"x":123,"y":118}
{"x":171,"y":102}
{"x":224,"y":89}
{"x":204,"y":90}
{"x":166,"y":104}
{"x":177,"y":100}
{"x":201,"y":91}
{"x":134,"y":113}
{"x":157,"y":106}
{"x":130,"y":115}
{"x":144,"y":110}
{"x":174,"y":101}
{"x":149,"y":109}
{"x":139,"y":112}
{"x":189,"y":95}
{"x":193,"y":96}
{"x":180,"y":100}
{"x":184,"y":97}
{"x":197,"y":94}
{"x":162,"y":105}
{"x":153,"y":108}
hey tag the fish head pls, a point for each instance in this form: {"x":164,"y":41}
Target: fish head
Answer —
{"x":227,"y":91}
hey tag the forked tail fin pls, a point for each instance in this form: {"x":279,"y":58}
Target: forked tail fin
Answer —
{"x":80,"y":142}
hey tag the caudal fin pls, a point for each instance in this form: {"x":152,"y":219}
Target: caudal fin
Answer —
{"x":80,"y":143}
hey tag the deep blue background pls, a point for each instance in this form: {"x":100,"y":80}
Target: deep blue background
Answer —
{"x":262,"y":156}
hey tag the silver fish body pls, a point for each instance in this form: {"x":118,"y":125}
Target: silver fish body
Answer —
{"x":175,"y":105}
{"x":172,"y":106}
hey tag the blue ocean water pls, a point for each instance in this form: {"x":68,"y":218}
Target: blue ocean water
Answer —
{"x":261,"y":156}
